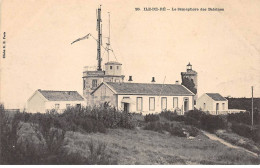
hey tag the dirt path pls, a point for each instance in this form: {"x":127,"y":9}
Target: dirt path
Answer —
{"x":215,"y":138}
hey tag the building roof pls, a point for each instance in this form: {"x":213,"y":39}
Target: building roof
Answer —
{"x":113,"y":63}
{"x":148,"y":89}
{"x":216,"y":96}
{"x":61,"y":95}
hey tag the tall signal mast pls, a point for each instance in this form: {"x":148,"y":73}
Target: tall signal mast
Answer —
{"x":99,"y":41}
{"x":108,"y":39}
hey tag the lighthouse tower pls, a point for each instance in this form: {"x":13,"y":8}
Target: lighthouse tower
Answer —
{"x":190,"y":80}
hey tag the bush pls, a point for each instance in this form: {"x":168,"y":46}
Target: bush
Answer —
{"x":244,"y":117}
{"x":177,"y":131}
{"x":236,"y":139}
{"x":212,"y":123}
{"x":246,"y":131}
{"x":8,"y":137}
{"x":192,"y":121}
{"x":109,"y":116}
{"x":192,"y":131}
{"x":205,"y":121}
{"x":45,"y":141}
{"x":172,"y":116}
{"x":95,"y":119}
{"x":16,"y":149}
{"x":196,"y":114}
{"x":151,"y":118}
{"x":154,"y":126}
{"x":98,"y":154}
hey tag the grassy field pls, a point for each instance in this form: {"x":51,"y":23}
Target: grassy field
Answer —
{"x":148,"y":147}
{"x":104,"y":136}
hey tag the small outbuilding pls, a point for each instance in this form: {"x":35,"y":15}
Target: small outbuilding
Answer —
{"x":144,"y":97}
{"x":45,"y":100}
{"x":213,"y":103}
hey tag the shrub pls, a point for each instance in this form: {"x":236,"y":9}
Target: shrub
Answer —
{"x":13,"y":149}
{"x":98,"y":154}
{"x":8,"y":135}
{"x":246,"y":131}
{"x":212,"y":123}
{"x":238,"y":140}
{"x":244,"y":117}
{"x":109,"y":116}
{"x":196,"y":114}
{"x":256,"y":135}
{"x":241,"y":129}
{"x":45,"y":142}
{"x":192,"y":131}
{"x":154,"y":126}
{"x":169,"y":115}
{"x":177,"y":131}
{"x":151,"y":118}
{"x":205,"y":121}
{"x":192,"y":121}
{"x":172,"y":116}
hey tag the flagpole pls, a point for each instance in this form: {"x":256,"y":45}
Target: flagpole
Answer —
{"x":252,"y":106}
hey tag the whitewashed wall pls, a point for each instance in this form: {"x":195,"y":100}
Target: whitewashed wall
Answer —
{"x":36,"y":103}
{"x":158,"y":102}
{"x":204,"y":99}
{"x":51,"y":104}
{"x":103,"y":94}
{"x":211,"y":105}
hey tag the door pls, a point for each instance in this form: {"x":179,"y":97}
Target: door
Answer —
{"x":126,"y":107}
{"x":186,"y":104}
{"x":78,"y":106}
{"x":217,"y":108}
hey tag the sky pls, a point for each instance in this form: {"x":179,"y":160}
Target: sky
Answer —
{"x":223,"y":47}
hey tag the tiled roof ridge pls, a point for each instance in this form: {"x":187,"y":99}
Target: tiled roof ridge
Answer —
{"x":57,"y":90}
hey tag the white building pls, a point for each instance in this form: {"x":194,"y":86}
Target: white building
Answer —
{"x":144,"y":97}
{"x":45,"y":100}
{"x":213,"y":103}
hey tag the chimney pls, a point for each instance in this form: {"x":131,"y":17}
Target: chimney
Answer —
{"x":153,"y":80}
{"x":177,"y":82}
{"x":130,"y":79}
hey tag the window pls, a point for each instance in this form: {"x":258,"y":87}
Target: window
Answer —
{"x":151,"y":103}
{"x":164,"y":103}
{"x":57,"y":106}
{"x":175,"y":102}
{"x":84,"y":84}
{"x":139,"y":104}
{"x":94,"y":83}
{"x":111,"y":67}
{"x":117,"y":67}
{"x":78,"y":106}
{"x":223,"y":106}
{"x":204,"y":106}
{"x":67,"y":105}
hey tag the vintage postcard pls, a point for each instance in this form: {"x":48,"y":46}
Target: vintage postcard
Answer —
{"x":130,"y":82}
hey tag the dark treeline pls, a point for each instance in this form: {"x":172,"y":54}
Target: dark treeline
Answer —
{"x":243,"y":103}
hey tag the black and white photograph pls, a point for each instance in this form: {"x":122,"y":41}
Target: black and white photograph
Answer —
{"x":128,"y":82}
